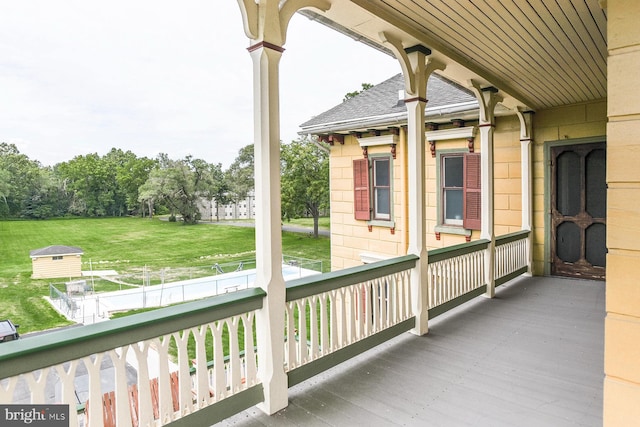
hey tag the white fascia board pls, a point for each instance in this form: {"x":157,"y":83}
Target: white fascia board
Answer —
{"x":453,"y":133}
{"x":378,"y":140}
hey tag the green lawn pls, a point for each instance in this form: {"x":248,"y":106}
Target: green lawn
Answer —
{"x":121,"y":244}
{"x":323,"y":223}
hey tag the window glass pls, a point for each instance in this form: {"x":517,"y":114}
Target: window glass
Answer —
{"x":453,"y":207}
{"x":452,"y":174}
{"x":382,"y":188}
{"x":382,"y":173}
{"x":453,"y":171}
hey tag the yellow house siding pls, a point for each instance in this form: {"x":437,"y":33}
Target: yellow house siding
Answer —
{"x":47,"y":267}
{"x":351,"y":238}
{"x":622,"y":324}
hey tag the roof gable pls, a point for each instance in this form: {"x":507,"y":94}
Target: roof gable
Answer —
{"x":55,"y":250}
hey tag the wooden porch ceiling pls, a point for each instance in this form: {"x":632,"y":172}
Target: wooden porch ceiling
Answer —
{"x":539,"y":53}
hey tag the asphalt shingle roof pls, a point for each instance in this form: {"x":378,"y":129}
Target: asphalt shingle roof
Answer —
{"x":383,"y":99}
{"x":56,"y":250}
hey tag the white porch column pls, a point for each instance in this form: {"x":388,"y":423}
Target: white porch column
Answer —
{"x":526,"y":139}
{"x":487,"y":99}
{"x":416,"y":67}
{"x":269,"y":320}
{"x":265,"y":23}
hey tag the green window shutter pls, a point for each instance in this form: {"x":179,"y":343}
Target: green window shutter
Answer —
{"x":472,"y":192}
{"x":361,"y":198}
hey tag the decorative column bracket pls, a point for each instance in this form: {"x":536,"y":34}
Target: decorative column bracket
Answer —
{"x":432,"y":148}
{"x":416,"y":68}
{"x":487,"y":98}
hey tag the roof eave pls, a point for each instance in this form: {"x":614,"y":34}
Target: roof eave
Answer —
{"x":466,"y":110}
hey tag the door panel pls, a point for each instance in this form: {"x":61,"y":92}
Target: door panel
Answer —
{"x":578,"y":210}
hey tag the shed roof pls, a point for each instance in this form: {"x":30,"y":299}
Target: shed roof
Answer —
{"x":382,"y":105}
{"x":55,"y":250}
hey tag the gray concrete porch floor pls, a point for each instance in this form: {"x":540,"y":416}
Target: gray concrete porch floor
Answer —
{"x":531,"y":356}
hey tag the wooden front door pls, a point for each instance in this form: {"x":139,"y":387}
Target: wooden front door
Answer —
{"x":578,"y":210}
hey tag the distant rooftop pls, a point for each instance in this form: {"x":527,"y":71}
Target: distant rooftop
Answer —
{"x":56,"y":250}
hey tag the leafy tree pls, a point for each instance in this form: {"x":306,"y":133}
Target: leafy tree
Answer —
{"x":305,"y":180}
{"x":47,"y":198}
{"x":179,"y":184}
{"x":92,"y":183}
{"x":218,"y":188}
{"x":19,"y":178}
{"x":131,"y":174}
{"x":355,"y":93}
{"x":5,"y":178}
{"x":240,"y":175}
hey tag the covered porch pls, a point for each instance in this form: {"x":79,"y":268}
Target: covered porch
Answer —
{"x":533,"y":355}
{"x":531,"y":352}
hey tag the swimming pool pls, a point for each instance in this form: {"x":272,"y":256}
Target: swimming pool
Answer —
{"x":94,"y":308}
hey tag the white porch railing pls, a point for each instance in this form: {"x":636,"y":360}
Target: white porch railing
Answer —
{"x":455,"y":271}
{"x":512,"y":256}
{"x":188,"y":361}
{"x":328,"y":314}
{"x":207,"y":336}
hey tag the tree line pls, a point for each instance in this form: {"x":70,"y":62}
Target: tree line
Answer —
{"x":120,"y":183}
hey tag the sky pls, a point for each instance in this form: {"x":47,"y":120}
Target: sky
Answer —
{"x":161,"y":76}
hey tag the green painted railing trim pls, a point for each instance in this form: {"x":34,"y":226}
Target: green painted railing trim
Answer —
{"x":441,"y":254}
{"x":304,"y":372}
{"x":32,"y":353}
{"x":504,"y":279}
{"x":317,"y":284}
{"x":512,"y":237}
{"x":223,"y":409}
{"x":451,"y":304}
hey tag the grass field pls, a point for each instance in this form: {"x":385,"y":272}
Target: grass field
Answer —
{"x":121,"y":244}
{"x":323,"y":222}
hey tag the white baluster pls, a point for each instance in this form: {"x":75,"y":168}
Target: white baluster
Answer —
{"x":219,"y":376}
{"x":92,"y":363}
{"x":123,"y":409}
{"x":145,"y":407}
{"x":165,"y":401}
{"x":184,"y":378}
{"x":290,"y":345}
{"x":324,"y":324}
{"x":334,"y":333}
{"x":234,"y":355}
{"x":313,"y":307}
{"x":249,"y":349}
{"x":36,"y":382}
